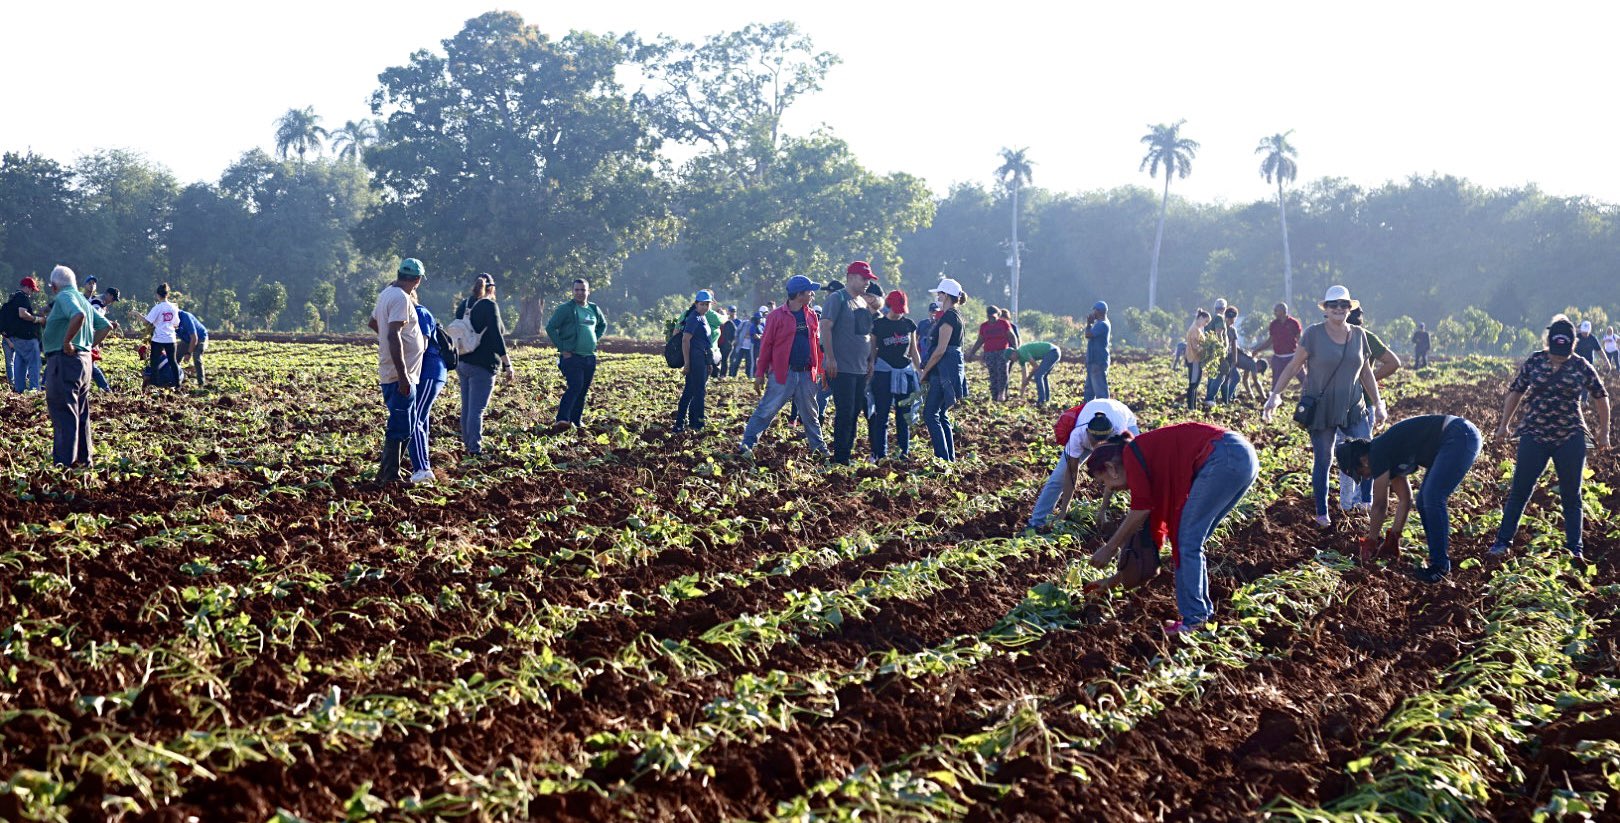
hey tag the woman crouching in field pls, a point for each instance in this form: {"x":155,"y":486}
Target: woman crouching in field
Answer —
{"x":1444,"y":445}
{"x":1183,"y":480}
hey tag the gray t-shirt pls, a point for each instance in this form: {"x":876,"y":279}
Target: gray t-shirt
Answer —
{"x":846,"y":325}
{"x":1334,"y":375}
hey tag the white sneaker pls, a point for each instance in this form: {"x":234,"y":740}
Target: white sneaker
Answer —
{"x":423,"y":478}
{"x":1323,"y":521}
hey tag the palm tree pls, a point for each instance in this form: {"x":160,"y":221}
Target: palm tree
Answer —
{"x":1174,"y":153}
{"x":299,"y":130}
{"x":1014,"y":173}
{"x":1279,"y":163}
{"x":350,"y":142}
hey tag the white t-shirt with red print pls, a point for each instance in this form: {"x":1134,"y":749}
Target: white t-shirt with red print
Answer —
{"x":165,"y":319}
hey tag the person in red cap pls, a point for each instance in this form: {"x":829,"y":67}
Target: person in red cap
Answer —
{"x":895,"y":384}
{"x":22,"y":326}
{"x":846,"y":343}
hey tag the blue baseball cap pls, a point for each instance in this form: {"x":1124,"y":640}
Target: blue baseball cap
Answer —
{"x":1099,"y":306}
{"x":703,"y":296}
{"x":799,"y":283}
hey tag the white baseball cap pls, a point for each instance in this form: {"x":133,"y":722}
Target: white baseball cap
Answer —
{"x":950,"y":287}
{"x":1586,"y":326}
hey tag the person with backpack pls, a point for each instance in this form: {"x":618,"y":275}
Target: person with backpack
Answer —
{"x":476,"y":367}
{"x":1078,"y":431}
{"x":399,"y":365}
{"x":435,"y":362}
{"x":164,"y":321}
{"x":574,"y":328}
{"x":193,"y":337}
{"x":1045,"y":356}
{"x":1183,"y":480}
{"x":1446,"y":446}
{"x":789,"y":366}
{"x":943,"y":370}
{"x":23,"y":326}
{"x":894,"y":384}
{"x":695,"y":348}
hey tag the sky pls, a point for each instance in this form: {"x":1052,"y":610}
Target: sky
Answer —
{"x":1373,"y":91}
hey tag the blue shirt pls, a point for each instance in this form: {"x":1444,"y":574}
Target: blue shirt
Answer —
{"x":432,"y":363}
{"x":923,"y":327}
{"x":697,"y":325}
{"x":799,"y":355}
{"x":1097,"y":344}
{"x":191,"y":327}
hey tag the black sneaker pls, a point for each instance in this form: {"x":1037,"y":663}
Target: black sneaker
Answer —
{"x":1430,"y":574}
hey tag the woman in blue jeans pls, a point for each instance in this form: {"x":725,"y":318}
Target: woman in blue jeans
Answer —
{"x":1548,"y":389}
{"x":477,"y":368}
{"x":1444,"y":445}
{"x":943,"y":371}
{"x":894,"y":385}
{"x":1183,"y":480}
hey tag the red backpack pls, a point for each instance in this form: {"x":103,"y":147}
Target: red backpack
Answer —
{"x":1065,"y":425}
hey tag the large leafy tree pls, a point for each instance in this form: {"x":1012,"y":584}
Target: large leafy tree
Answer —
{"x":1014,"y":173}
{"x":299,"y":130}
{"x":517,"y":154}
{"x":1169,"y":151}
{"x":1277,"y":163}
{"x":128,"y":202}
{"x":40,"y":213}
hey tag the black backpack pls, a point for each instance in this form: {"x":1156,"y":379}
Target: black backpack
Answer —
{"x":447,"y":347}
{"x":674,"y":355}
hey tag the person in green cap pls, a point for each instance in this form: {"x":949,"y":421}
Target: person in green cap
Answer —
{"x":71,"y":330}
{"x":1045,"y":356}
{"x":574,"y":329}
{"x":399,"y":364}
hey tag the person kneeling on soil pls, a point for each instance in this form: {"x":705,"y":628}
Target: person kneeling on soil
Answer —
{"x":1444,"y":445}
{"x":1079,"y":430}
{"x":1183,"y":481}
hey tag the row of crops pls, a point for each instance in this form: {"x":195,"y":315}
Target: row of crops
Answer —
{"x":226,"y":620}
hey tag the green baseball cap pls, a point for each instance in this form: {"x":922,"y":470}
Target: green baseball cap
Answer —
{"x":412,"y":268}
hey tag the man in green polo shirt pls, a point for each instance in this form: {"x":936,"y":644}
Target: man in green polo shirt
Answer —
{"x":72,"y":329}
{"x":574,"y":329}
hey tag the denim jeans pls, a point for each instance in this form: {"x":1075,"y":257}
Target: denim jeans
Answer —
{"x":877,"y":427}
{"x":1569,"y":460}
{"x":689,"y":411}
{"x":1221,"y":482}
{"x":1053,"y":490}
{"x":1459,"y":447}
{"x":24,"y":365}
{"x":849,"y":402}
{"x":798,"y":389}
{"x":578,"y":370}
{"x":67,"y":400}
{"x":745,"y":359}
{"x":944,"y":384}
{"x":477,"y":384}
{"x":426,"y":392}
{"x":1229,"y":383}
{"x":1043,"y":374}
{"x":1322,"y":441}
{"x":99,"y":377}
{"x":1195,"y":376}
{"x":1096,"y":381}
{"x":401,"y":412}
{"x":1351,"y":490}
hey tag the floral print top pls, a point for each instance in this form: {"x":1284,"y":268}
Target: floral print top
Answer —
{"x":1552,"y":397}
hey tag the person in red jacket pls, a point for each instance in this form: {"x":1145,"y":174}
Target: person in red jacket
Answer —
{"x":789,"y":366}
{"x":1183,"y":481}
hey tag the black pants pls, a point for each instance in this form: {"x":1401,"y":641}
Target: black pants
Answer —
{"x":849,"y":406}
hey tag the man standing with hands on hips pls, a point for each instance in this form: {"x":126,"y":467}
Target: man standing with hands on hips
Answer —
{"x":574,"y":329}
{"x":72,"y":329}
{"x":846,"y":342}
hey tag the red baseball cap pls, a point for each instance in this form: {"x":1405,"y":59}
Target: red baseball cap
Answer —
{"x":30,"y":283}
{"x":862,"y":268}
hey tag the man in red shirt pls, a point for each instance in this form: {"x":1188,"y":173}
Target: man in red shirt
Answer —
{"x":1183,"y":481}
{"x":1283,"y":342}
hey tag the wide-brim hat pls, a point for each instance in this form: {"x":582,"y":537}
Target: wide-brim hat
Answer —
{"x":1335,"y":293}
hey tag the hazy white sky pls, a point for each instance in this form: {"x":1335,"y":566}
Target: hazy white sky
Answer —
{"x":1495,"y":92}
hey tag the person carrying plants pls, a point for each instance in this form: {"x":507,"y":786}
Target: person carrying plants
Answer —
{"x":1548,"y":390}
{"x":846,"y":343}
{"x":1420,"y":347}
{"x":1078,"y":430}
{"x":894,"y":384}
{"x":1212,"y":367}
{"x":1097,"y":333}
{"x":1339,"y":382}
{"x":695,"y":345}
{"x":1446,"y":446}
{"x":22,"y":324}
{"x":1045,"y":356}
{"x":1202,"y":346}
{"x":789,"y":367}
{"x":998,"y":340}
{"x":1183,"y":480}
{"x":574,"y":328}
{"x":1282,"y":338}
{"x":72,"y":330}
{"x":943,"y":370}
{"x":399,"y":364}
{"x":193,"y":341}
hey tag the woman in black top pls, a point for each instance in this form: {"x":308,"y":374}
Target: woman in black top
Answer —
{"x":1444,"y":445}
{"x":894,"y":382}
{"x":944,"y":369}
{"x":477,"y":368}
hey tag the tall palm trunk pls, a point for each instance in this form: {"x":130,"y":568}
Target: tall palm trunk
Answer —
{"x":1158,"y":239}
{"x":1016,"y":261}
{"x":1288,"y":262}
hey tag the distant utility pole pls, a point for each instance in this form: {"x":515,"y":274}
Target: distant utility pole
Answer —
{"x":1013,"y":259}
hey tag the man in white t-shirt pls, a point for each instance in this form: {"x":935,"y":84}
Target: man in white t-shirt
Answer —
{"x":1097,"y":421}
{"x":399,"y":364}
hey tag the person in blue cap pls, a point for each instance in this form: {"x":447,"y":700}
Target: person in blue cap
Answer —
{"x":1097,"y":331}
{"x":789,"y":366}
{"x":695,"y":343}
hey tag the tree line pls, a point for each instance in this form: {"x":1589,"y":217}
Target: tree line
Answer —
{"x":532,"y":157}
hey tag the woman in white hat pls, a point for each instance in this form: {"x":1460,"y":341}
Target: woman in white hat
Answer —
{"x":1333,"y":353}
{"x":943,"y":371}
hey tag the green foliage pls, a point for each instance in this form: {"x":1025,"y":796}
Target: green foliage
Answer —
{"x":225,"y":308}
{"x":267,"y":302}
{"x":1153,"y":329}
{"x":312,"y":319}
